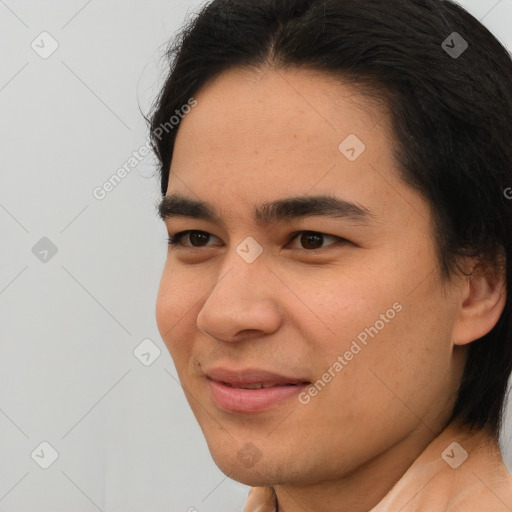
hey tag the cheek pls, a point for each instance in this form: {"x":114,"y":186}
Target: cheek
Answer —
{"x":395,"y":368}
{"x":343,"y":306}
{"x":382,"y":319}
{"x":176,"y":304}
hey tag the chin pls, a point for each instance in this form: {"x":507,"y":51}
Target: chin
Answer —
{"x":246,"y":465}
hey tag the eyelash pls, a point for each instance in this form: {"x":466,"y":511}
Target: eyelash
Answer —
{"x":175,"y":240}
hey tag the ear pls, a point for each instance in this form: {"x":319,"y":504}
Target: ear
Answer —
{"x":482,"y":301}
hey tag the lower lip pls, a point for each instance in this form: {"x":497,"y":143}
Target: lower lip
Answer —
{"x":250,"y":400}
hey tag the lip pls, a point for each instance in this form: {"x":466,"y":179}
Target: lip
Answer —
{"x":226,"y":392}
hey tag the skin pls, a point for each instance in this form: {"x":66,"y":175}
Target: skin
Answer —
{"x":261,"y":135}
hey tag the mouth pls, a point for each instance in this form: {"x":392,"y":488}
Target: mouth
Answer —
{"x":259,"y":385}
{"x":252,"y":390}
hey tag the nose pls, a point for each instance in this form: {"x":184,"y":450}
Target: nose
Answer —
{"x":242,"y":302}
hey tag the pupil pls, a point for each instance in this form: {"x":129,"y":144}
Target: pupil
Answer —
{"x":309,"y":238}
{"x":196,"y":234}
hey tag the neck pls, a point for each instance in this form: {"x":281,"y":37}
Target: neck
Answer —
{"x":365,"y":487}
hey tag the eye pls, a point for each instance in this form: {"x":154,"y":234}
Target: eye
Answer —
{"x":311,"y":240}
{"x":194,"y":236}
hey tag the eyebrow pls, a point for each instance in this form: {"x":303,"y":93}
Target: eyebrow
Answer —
{"x":177,"y":205}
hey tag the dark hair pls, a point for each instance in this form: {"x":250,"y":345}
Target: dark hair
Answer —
{"x":451,"y":116}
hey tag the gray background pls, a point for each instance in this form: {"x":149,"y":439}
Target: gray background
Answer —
{"x":125,"y":438}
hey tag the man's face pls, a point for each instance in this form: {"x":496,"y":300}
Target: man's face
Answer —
{"x":349,"y":319}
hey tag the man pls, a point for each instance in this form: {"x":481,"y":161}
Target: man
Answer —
{"x":335,"y":296}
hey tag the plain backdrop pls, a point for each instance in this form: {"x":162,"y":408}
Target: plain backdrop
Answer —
{"x":92,"y":416}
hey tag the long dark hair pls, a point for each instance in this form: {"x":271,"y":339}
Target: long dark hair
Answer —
{"x":451,"y":110}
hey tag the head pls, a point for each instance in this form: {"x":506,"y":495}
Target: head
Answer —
{"x":349,"y":227}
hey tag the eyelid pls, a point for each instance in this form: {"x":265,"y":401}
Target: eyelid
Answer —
{"x":293,"y":236}
{"x":175,"y":240}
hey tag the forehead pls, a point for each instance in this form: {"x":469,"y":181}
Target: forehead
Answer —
{"x":256,"y":105}
{"x":259,"y":135}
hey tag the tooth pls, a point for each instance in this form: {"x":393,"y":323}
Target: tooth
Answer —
{"x":252,"y":386}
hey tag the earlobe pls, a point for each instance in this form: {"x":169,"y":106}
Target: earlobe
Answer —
{"x":482,"y":302}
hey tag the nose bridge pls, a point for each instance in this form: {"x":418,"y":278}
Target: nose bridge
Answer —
{"x":241,"y":298}
{"x":243,"y":269}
